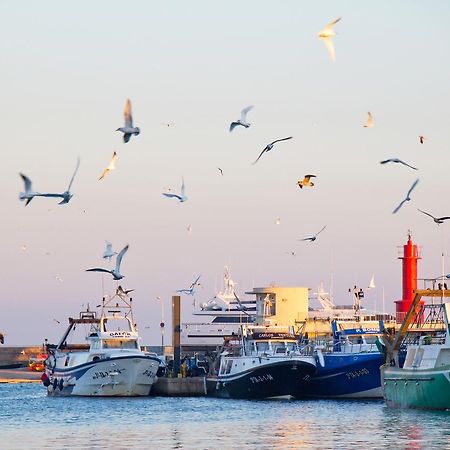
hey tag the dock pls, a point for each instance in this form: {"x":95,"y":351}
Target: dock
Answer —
{"x":21,"y":375}
{"x":181,"y":387}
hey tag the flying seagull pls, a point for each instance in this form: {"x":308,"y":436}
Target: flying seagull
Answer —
{"x":422,"y":139}
{"x":109,"y":252}
{"x":116,"y":271}
{"x":190,"y":290}
{"x":66,"y":195}
{"x":128,"y":130}
{"x":396,"y":160}
{"x":182,"y":197}
{"x":269,"y":147}
{"x":437,"y":220}
{"x":123,"y":293}
{"x":326,"y":34}
{"x":243,"y":120}
{"x":313,"y":238}
{"x":306,"y":181}
{"x":29,"y":194}
{"x":111,"y":166}
{"x":408,"y":198}
{"x":220,"y":170}
{"x":369,"y":123}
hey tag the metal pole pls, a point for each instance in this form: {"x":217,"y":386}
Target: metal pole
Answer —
{"x":176,"y":331}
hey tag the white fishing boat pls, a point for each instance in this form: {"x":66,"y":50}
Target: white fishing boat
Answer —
{"x":109,"y":361}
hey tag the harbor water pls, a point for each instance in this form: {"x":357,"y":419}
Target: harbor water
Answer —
{"x":30,"y":419}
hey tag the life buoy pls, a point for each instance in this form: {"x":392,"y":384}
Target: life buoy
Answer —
{"x":45,"y":380}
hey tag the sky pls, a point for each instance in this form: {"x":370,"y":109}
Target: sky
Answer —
{"x":67,"y":70}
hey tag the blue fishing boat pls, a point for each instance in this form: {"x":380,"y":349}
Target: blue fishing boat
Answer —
{"x":347,"y":367}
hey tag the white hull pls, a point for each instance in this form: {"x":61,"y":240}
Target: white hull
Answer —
{"x":115,"y":377}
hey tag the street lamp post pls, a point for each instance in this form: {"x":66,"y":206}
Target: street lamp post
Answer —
{"x":161,"y":324}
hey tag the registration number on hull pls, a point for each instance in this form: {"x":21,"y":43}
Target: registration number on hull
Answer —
{"x":261,"y":378}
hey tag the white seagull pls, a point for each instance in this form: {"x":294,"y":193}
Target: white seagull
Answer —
{"x":116,"y":271}
{"x":269,"y":147}
{"x":313,"y":238}
{"x":109,"y":252}
{"x":326,"y":34}
{"x":408,"y":198}
{"x":243,"y":120}
{"x":182,"y":197}
{"x":128,"y":130}
{"x":191,"y":290}
{"x":66,"y":195}
{"x":369,"y":123}
{"x":29,"y":194}
{"x":396,"y":160}
{"x":111,"y":166}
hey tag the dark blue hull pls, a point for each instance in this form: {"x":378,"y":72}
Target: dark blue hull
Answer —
{"x":345,"y":375}
{"x":272,"y":380}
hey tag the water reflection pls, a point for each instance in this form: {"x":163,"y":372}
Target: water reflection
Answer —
{"x":31,"y":420}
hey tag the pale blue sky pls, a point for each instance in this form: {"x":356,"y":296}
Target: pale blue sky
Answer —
{"x":66,"y":72}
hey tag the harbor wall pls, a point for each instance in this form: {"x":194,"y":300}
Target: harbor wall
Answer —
{"x":16,"y":355}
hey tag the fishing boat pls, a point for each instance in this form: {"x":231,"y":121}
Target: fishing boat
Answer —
{"x":422,"y":381}
{"x":108,"y":361}
{"x":348,"y":366}
{"x":262,"y":362}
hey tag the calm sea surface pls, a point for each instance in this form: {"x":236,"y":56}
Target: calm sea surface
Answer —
{"x":29,"y":419}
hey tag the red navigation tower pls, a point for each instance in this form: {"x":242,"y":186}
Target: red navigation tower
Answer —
{"x":409,"y":265}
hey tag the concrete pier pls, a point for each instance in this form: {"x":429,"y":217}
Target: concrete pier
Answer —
{"x":180,"y":387}
{"x":22,"y":375}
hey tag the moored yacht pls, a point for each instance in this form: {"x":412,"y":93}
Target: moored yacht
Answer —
{"x":108,"y":362}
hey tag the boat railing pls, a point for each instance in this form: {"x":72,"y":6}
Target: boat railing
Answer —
{"x":346,"y":347}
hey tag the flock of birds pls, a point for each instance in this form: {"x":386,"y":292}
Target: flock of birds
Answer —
{"x":129,"y":130}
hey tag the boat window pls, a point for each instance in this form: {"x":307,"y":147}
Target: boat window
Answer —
{"x":229,"y":366}
{"x":291,"y":346}
{"x":370,"y":339}
{"x":262,"y":346}
{"x":279,"y":347}
{"x":116,"y":343}
{"x":95,"y":345}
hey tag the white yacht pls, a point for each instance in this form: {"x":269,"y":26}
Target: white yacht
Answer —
{"x":109,"y":361}
{"x":222,"y":316}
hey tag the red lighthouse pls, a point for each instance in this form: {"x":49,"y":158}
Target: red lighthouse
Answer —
{"x":409,"y":266}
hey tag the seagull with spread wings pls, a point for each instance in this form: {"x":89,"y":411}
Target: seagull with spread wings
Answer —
{"x":111,"y":166}
{"x":437,"y":220}
{"x":243,"y":120}
{"x":269,"y":147}
{"x":128,"y":130}
{"x":396,"y":160}
{"x":313,"y":238}
{"x":306,"y":181}
{"x":191,"y":289}
{"x":181,"y":197}
{"x":66,"y":195}
{"x":116,"y":271}
{"x":29,"y":194}
{"x":326,"y":36}
{"x":407,"y":198}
